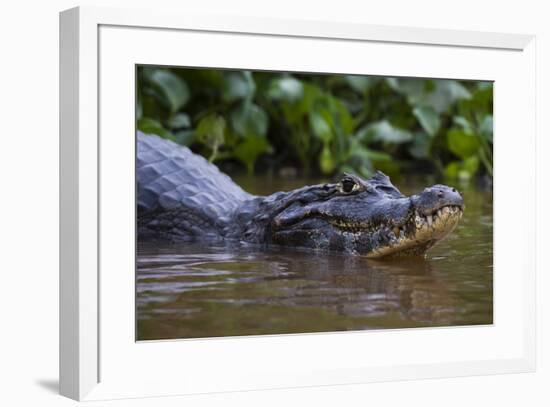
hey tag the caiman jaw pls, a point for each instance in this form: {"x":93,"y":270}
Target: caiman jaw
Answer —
{"x":438,"y":224}
{"x":420,"y":232}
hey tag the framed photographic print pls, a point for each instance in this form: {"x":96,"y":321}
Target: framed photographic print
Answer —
{"x":254,"y":204}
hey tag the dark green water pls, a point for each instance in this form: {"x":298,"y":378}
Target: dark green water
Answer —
{"x":197,"y":290}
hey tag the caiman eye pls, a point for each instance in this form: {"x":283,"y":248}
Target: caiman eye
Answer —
{"x":348,"y":185}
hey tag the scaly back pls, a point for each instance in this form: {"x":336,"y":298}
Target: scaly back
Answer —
{"x":180,"y":194}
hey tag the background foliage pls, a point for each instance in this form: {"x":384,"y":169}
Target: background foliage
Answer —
{"x":322,"y":124}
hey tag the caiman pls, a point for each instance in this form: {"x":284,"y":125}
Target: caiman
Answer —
{"x":183,"y":197}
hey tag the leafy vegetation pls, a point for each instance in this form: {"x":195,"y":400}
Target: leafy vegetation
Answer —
{"x":322,"y":123}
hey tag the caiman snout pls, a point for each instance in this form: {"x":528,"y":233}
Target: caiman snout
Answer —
{"x":437,"y":197}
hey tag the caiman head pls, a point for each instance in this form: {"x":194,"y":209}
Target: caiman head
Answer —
{"x":370,"y":217}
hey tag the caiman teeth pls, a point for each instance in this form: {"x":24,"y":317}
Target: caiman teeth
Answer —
{"x":353,"y":227}
{"x":446,"y":210}
{"x":433,"y":221}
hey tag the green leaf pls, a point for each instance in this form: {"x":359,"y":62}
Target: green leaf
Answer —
{"x":486,"y":128}
{"x":250,"y":149}
{"x":311,"y":94}
{"x":364,"y":160}
{"x":484,"y":85}
{"x":439,"y":94}
{"x":326,"y":161}
{"x":464,"y":170}
{"x":420,"y":147}
{"x":394,"y":84}
{"x":179,"y":121}
{"x":357,"y":149}
{"x":471,"y":164}
{"x":429,"y":85}
{"x":153,"y":104}
{"x":454,"y":89}
{"x":185,"y":137}
{"x":428,"y":119}
{"x":321,"y":128}
{"x":342,"y":121}
{"x":461,"y":143}
{"x":481,"y":103}
{"x":360,"y":83}
{"x":452,"y":169}
{"x":139,"y":109}
{"x":286,"y":89}
{"x":383,"y":131}
{"x":249,"y":119}
{"x":463,"y":123}
{"x":238,"y":86}
{"x":172,"y":87}
{"x":152,"y":126}
{"x":210,"y":132}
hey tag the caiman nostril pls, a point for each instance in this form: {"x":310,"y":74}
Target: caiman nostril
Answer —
{"x":440,"y":194}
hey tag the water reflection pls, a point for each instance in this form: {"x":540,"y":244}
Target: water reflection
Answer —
{"x":197,"y":290}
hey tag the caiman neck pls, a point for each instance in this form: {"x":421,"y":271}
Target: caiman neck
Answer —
{"x":252,"y":219}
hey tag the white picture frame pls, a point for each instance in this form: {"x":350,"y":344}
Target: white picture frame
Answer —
{"x":98,"y":48}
